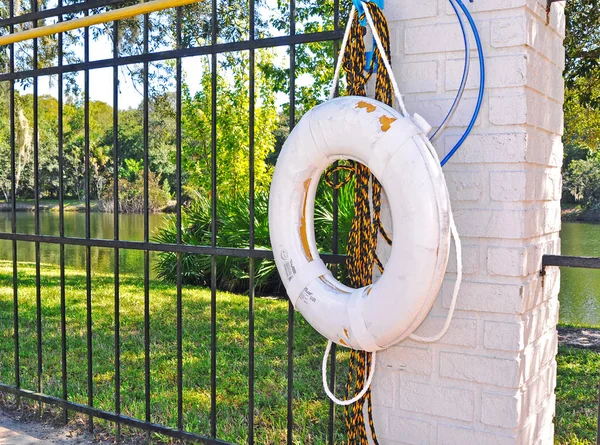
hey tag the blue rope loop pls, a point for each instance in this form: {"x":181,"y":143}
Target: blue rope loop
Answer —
{"x":358,"y":4}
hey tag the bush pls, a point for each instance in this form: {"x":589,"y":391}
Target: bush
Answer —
{"x":131,"y":190}
{"x":233,"y":223}
{"x":582,"y":181}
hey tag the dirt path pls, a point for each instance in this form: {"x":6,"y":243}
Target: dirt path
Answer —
{"x":15,"y":431}
{"x":579,"y":337}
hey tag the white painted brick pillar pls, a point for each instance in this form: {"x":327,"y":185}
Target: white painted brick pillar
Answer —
{"x":491,"y":379}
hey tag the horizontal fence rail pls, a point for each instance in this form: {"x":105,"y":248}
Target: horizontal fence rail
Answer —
{"x":218,"y":48}
{"x":35,"y":21}
{"x":106,"y":415}
{"x":328,"y":258}
{"x":96,"y":19}
{"x":570,"y":261}
{"x":59,"y":11}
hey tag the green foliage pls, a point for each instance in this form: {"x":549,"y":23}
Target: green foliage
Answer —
{"x":25,"y":137}
{"x":314,"y":66}
{"x":232,"y":132}
{"x":583,"y":50}
{"x":582,"y":128}
{"x":233,"y":230}
{"x":132,"y":170}
{"x":324,"y":216}
{"x":583,"y":181}
{"x":131,"y":190}
{"x":161,"y":150}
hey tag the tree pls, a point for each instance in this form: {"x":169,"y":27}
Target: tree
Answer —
{"x":582,"y":102}
{"x":582,"y":45}
{"x":232,"y":131}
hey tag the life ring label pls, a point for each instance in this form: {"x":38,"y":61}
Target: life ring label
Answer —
{"x":290,"y":270}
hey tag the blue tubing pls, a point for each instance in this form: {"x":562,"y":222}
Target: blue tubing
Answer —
{"x":465,"y":75}
{"x":481,"y":81}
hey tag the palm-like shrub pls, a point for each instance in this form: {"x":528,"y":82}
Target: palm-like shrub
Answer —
{"x":233,"y":230}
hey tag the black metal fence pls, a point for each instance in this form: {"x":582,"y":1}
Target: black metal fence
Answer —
{"x":212,"y":49}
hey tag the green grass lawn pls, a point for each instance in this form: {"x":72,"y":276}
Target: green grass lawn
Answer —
{"x":310,"y":406}
{"x":578,"y":370}
{"x":577,"y":396}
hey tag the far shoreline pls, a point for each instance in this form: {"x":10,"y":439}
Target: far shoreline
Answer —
{"x":569,"y":213}
{"x":52,"y":205}
{"x":576,"y":214}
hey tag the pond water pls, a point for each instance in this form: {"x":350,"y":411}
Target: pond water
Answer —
{"x":580,"y":288}
{"x":579,"y":296}
{"x":131,"y":228}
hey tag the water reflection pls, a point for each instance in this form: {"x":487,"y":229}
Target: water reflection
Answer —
{"x":101,"y":226}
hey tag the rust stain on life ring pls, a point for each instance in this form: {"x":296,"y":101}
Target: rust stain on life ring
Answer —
{"x":386,"y":122}
{"x":366,"y":105}
{"x":303,"y":228}
{"x":343,"y":342}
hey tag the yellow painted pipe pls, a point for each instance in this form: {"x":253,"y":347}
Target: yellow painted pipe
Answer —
{"x":84,"y":22}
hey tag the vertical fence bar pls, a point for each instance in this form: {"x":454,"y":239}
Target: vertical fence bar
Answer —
{"x":335,"y":251}
{"x":598,"y":419}
{"x":116,"y":223}
{"x":36,"y":187}
{"x":292,"y":123}
{"x":251,"y":233}
{"x":13,"y":185}
{"x":146,"y":232}
{"x":61,"y":224}
{"x":213,"y":259}
{"x":179,"y":265}
{"x":88,"y":249}
{"x":336,"y":21}
{"x":335,"y":240}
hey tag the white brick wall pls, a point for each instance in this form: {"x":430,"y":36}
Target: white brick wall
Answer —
{"x":491,"y":379}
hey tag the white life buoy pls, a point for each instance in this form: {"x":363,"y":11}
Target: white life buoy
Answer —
{"x":398,"y":153}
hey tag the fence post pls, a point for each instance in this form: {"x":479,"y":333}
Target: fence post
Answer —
{"x":491,"y":379}
{"x":598,"y":426}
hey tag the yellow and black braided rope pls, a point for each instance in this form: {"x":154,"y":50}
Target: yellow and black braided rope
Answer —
{"x":362,"y":240}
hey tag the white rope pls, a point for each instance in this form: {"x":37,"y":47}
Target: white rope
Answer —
{"x":386,"y":63}
{"x":338,"y":66}
{"x":361,"y":394}
{"x":459,"y":265}
{"x":458,"y":247}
